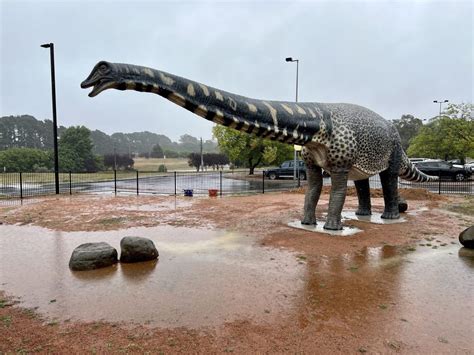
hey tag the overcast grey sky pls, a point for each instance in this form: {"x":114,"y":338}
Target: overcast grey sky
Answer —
{"x":392,"y":57}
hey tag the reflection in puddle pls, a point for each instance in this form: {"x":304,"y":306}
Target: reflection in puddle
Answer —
{"x":202,"y":277}
{"x":417,"y":295}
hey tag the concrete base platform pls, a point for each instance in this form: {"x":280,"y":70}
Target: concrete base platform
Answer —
{"x":374,"y":218}
{"x":347,"y":231}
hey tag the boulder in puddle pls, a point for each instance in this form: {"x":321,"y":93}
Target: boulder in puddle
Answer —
{"x":466,"y":237}
{"x":90,"y":256}
{"x":136,"y":249}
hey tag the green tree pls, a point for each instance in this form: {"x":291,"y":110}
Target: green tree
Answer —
{"x":408,"y":127}
{"x":252,"y":151}
{"x":194,"y":159}
{"x":156,"y":151}
{"x":75,"y":151}
{"x":447,"y":137}
{"x":25,"y":160}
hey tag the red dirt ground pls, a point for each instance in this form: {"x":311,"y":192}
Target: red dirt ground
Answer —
{"x":340,"y":323}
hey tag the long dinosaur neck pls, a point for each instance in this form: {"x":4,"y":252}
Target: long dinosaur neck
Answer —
{"x":283,"y":121}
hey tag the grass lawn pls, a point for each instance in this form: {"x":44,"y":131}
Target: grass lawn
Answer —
{"x":152,"y":164}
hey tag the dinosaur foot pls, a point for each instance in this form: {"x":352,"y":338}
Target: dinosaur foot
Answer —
{"x":363,"y":212}
{"x":308,"y":220}
{"x":391,"y":215}
{"x":333,"y":225}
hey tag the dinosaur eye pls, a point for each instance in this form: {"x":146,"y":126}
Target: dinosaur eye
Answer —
{"x":103,"y":68}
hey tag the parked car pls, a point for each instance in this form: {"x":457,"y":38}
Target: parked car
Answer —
{"x":416,"y":160}
{"x":458,"y":163}
{"x":470,"y":166}
{"x":444,"y":170}
{"x":286,"y":170}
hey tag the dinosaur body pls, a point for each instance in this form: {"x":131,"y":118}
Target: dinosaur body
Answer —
{"x":348,"y":141}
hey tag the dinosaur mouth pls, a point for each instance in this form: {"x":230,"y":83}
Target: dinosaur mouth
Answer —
{"x":98,"y":85}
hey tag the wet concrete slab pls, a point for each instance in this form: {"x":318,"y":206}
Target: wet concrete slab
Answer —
{"x":202,"y":277}
{"x":318,"y":228}
{"x":374,"y":218}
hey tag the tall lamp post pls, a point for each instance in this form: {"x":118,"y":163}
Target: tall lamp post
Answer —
{"x":290,"y":59}
{"x":440,"y":103}
{"x":55,"y":122}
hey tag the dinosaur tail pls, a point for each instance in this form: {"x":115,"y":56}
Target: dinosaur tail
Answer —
{"x":409,"y":171}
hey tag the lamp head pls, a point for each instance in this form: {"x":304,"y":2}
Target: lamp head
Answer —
{"x":289,"y":59}
{"x":47,"y":45}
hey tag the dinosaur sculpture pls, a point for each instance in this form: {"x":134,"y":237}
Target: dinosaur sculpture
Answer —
{"x":348,"y":141}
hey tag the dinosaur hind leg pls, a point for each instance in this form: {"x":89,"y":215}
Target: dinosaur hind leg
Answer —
{"x":336,"y":199}
{"x":315,"y":184}
{"x":363,"y":193}
{"x":389,"y":180}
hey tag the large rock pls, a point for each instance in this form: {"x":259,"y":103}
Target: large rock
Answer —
{"x":91,"y":256}
{"x":467,"y":237}
{"x":135,"y":249}
{"x":402,"y":205}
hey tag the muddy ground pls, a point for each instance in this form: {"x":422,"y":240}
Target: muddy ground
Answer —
{"x":347,"y":304}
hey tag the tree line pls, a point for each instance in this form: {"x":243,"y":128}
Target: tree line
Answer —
{"x":27,"y":132}
{"x":447,"y":136}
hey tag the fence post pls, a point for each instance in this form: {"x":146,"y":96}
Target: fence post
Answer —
{"x":137,"y":183}
{"x":220,"y":183}
{"x":21,"y":186}
{"x":263,"y":182}
{"x":175,"y":184}
{"x":115,"y":182}
{"x":299,"y":179}
{"x":439,"y":182}
{"x":70,"y":183}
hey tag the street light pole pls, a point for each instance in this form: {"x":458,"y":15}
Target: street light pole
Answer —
{"x":440,"y":103}
{"x":290,"y":59}
{"x":202,"y":158}
{"x":55,"y":122}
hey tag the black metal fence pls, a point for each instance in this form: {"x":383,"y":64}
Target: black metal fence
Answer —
{"x":21,"y":185}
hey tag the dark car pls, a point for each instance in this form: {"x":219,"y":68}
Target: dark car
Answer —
{"x":286,"y":170}
{"x":445,"y":170}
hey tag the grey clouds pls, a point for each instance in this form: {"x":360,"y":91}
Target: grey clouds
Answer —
{"x":392,"y":57}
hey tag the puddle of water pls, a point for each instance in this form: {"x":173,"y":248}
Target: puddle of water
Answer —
{"x":374,"y":218}
{"x":172,"y":204}
{"x":202,"y":277}
{"x":346,"y":231}
{"x":418,"y":297}
{"x":18,"y":202}
{"x":416,"y":212}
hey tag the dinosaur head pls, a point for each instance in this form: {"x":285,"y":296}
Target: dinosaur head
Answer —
{"x":104,"y":76}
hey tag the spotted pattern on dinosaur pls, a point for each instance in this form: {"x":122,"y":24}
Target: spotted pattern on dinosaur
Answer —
{"x":346,"y":140}
{"x":190,"y":90}
{"x":204,"y":89}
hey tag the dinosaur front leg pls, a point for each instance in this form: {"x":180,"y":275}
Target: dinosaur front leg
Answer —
{"x":363,"y":193}
{"x":336,"y":199}
{"x":389,"y":182}
{"x":315,"y":184}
